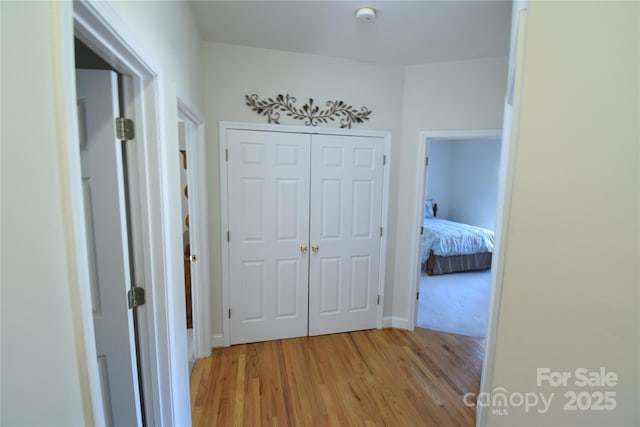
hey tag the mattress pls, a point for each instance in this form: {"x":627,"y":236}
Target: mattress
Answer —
{"x":449,"y":238}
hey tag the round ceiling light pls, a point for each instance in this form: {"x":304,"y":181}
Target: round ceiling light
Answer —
{"x":366,"y":14}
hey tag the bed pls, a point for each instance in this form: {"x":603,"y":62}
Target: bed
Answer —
{"x":449,"y":247}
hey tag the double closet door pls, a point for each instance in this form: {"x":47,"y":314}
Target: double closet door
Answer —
{"x":305,"y":218}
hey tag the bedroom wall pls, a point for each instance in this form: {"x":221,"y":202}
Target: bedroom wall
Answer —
{"x":42,"y":345}
{"x":231,"y":72}
{"x":570,"y":296}
{"x":474,"y":181}
{"x":462,"y":178}
{"x":438,"y":185}
{"x":464,"y":95}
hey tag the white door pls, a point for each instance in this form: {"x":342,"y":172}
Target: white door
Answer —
{"x":268,"y":187}
{"x":105,"y":211}
{"x":346,"y":216}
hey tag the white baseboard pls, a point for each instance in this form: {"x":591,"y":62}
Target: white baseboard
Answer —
{"x":395,"y":322}
{"x":217,"y":340}
{"x":387,"y":322}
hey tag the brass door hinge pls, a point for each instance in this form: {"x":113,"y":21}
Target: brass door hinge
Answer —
{"x":124,"y":129}
{"x":135,"y":296}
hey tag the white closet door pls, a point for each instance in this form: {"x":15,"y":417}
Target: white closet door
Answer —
{"x":268,"y":183}
{"x":346,"y":216}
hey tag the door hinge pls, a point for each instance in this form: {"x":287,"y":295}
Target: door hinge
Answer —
{"x":422,"y":230}
{"x":418,"y":295}
{"x":384,"y":159}
{"x":228,"y":236}
{"x":229,"y":313}
{"x":124,"y":129}
{"x":426,"y":161}
{"x":226,"y":154}
{"x":378,"y":299}
{"x":135,"y":297}
{"x":380,"y":231}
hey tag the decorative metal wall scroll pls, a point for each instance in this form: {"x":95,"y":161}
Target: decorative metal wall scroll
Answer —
{"x":310,"y":113}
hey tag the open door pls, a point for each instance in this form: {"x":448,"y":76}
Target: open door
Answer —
{"x":104,"y":184}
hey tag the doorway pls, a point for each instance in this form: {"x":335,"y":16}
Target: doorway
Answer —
{"x":104,"y":149}
{"x":188,"y":257}
{"x":195,"y":229}
{"x":424,"y":205}
{"x":458,"y":234}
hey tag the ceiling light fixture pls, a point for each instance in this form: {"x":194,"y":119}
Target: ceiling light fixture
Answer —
{"x":366,"y":14}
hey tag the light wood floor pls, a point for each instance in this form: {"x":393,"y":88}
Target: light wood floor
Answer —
{"x":379,"y":377}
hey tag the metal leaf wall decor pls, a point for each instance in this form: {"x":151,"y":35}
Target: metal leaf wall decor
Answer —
{"x":309,"y":112}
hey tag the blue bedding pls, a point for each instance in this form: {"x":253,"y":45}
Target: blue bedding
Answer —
{"x":447,"y":238}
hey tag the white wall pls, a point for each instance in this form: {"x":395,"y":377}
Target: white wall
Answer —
{"x":40,"y":378}
{"x":474,"y":182}
{"x":462,"y":178}
{"x":571,"y":271}
{"x":465,"y":95}
{"x":231,"y":72}
{"x":438,"y":185}
{"x":169,"y":36}
{"x":42,"y":343}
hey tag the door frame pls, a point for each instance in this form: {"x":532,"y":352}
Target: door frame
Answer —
{"x":224,"y":126}
{"x":198,"y":228}
{"x":98,"y":26}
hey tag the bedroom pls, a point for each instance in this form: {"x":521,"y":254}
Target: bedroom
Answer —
{"x":461,"y":186}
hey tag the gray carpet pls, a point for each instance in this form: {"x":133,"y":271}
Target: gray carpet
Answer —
{"x":456,"y":303}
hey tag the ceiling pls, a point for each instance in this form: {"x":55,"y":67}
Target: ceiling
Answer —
{"x":405,"y":32}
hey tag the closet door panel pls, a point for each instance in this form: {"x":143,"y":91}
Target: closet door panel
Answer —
{"x":268,"y":183}
{"x":345,"y":216}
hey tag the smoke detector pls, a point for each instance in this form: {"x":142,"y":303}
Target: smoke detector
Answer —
{"x":366,"y":14}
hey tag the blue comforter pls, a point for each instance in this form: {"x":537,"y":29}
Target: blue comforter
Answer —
{"x":446,"y":238}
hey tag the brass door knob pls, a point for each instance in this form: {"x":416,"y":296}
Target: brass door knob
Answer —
{"x":303,"y":248}
{"x":315,"y":248}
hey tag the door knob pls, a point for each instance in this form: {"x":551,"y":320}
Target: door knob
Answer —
{"x":192,"y":258}
{"x":315,"y":248}
{"x":303,"y":248}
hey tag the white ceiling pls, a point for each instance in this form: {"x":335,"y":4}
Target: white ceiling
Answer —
{"x":405,"y":32}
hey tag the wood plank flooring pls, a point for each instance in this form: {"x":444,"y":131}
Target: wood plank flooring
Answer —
{"x":382,"y":377}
